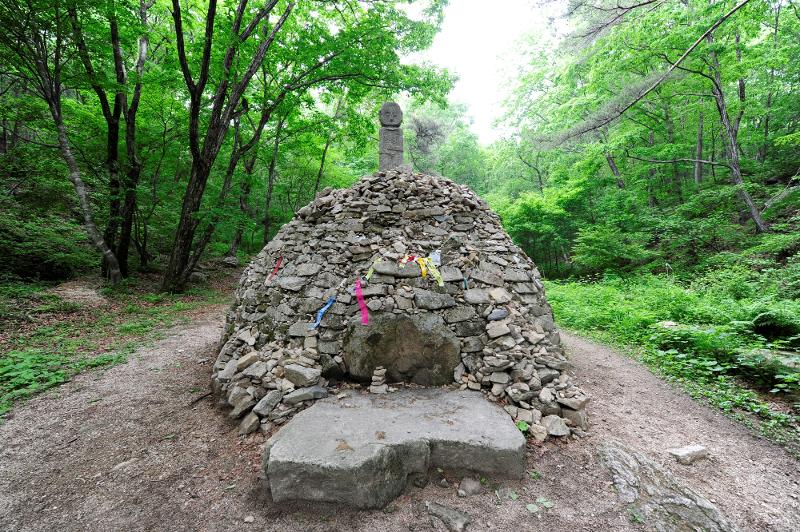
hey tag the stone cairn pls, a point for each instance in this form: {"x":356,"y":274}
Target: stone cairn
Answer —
{"x":379,"y":385}
{"x":405,"y":278}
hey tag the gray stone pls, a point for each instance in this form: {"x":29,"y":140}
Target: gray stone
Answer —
{"x":301,"y":375}
{"x":555,"y":426}
{"x":257,"y":370}
{"x":476,"y":296}
{"x":393,"y":269}
{"x":228,"y":371}
{"x":305,"y":394}
{"x":500,"y":295}
{"x":499,"y":377}
{"x":487,"y":277}
{"x":690,"y":454}
{"x":451,"y":274}
{"x":433,"y":301}
{"x":525,"y":415}
{"x":307,"y":269}
{"x":299,"y":328}
{"x":516,"y":276}
{"x":578,"y":418}
{"x":231,"y":261}
{"x":469,"y":486}
{"x":245,"y":361}
{"x":496,"y":329}
{"x":578,"y":402}
{"x":497,"y":314}
{"x":454,"y":520}
{"x":658,"y":497}
{"x":415,"y":348}
{"x":460,"y":313}
{"x":249,"y":424}
{"x":538,"y":432}
{"x":242,"y":405}
{"x":293,"y":284}
{"x":361,"y":453}
{"x":268,"y":403}
{"x":546,"y":375}
{"x":474,"y":327}
{"x":546,"y":395}
{"x":330,"y":369}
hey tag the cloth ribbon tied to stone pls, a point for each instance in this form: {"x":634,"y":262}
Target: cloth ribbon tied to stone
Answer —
{"x":274,"y":273}
{"x":321,"y":312}
{"x":361,"y":303}
{"x":372,"y":268}
{"x":426,"y":265}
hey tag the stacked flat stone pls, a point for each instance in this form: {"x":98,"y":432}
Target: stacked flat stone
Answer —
{"x":488,"y":327}
{"x":379,"y":385}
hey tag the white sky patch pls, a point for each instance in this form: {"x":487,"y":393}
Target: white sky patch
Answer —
{"x":482,"y":43}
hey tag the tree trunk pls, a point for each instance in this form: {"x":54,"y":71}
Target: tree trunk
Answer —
{"x":271,"y":180}
{"x":134,"y":168}
{"x":651,"y":196}
{"x":244,"y":207}
{"x":328,"y":140}
{"x":698,"y":166}
{"x":731,"y":139}
{"x":761,"y":156}
{"x":96,"y":238}
{"x":177,"y":274}
{"x":676,"y":179}
{"x":322,"y":164}
{"x":614,"y":170}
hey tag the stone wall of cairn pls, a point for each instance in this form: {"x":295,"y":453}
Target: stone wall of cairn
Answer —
{"x":491,"y":304}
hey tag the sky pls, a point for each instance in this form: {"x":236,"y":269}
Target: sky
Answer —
{"x":480,"y":42}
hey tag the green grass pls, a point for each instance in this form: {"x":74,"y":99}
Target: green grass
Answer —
{"x":49,"y":340}
{"x":716,"y":345}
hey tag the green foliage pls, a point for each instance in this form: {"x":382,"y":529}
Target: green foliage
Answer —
{"x":522,"y":426}
{"x":64,"y":339}
{"x":723,"y":341}
{"x":603,"y":248}
{"x":29,"y":371}
{"x":323,"y":78}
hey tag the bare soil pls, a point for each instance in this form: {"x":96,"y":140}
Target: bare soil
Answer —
{"x":141,"y":447}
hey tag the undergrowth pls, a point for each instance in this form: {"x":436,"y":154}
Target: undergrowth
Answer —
{"x":726,"y":337}
{"x":45,"y":340}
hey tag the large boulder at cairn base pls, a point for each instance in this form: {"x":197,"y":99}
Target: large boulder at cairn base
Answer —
{"x":443,"y":296}
{"x":426,"y":353}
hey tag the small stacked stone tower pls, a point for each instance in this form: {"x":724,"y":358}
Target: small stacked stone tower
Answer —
{"x":409,"y":272}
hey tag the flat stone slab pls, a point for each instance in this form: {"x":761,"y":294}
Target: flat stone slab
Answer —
{"x":361,"y":450}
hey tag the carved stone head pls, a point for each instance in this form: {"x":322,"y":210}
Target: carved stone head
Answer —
{"x":391,"y":115}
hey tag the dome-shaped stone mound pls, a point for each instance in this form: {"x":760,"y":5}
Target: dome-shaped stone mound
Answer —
{"x":403,"y":277}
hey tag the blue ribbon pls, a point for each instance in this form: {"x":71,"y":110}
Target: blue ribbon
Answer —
{"x":321,"y":312}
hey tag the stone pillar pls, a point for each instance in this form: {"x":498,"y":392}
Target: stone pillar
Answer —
{"x":391,"y":136}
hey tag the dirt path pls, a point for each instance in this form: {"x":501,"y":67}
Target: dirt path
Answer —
{"x":130,"y":448}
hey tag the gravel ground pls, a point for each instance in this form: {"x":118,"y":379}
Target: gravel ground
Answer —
{"x":141,"y":447}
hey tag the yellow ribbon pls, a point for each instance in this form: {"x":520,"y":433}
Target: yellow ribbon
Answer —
{"x":434,"y":271}
{"x":372,"y":268}
{"x":422,"y":267}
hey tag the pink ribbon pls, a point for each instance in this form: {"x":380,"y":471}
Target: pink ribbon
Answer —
{"x":361,"y":303}
{"x":275,"y":269}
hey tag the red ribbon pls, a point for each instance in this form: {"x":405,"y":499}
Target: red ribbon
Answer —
{"x":275,"y":269}
{"x":361,"y":303}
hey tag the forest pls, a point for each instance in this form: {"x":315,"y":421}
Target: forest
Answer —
{"x":651,"y":167}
